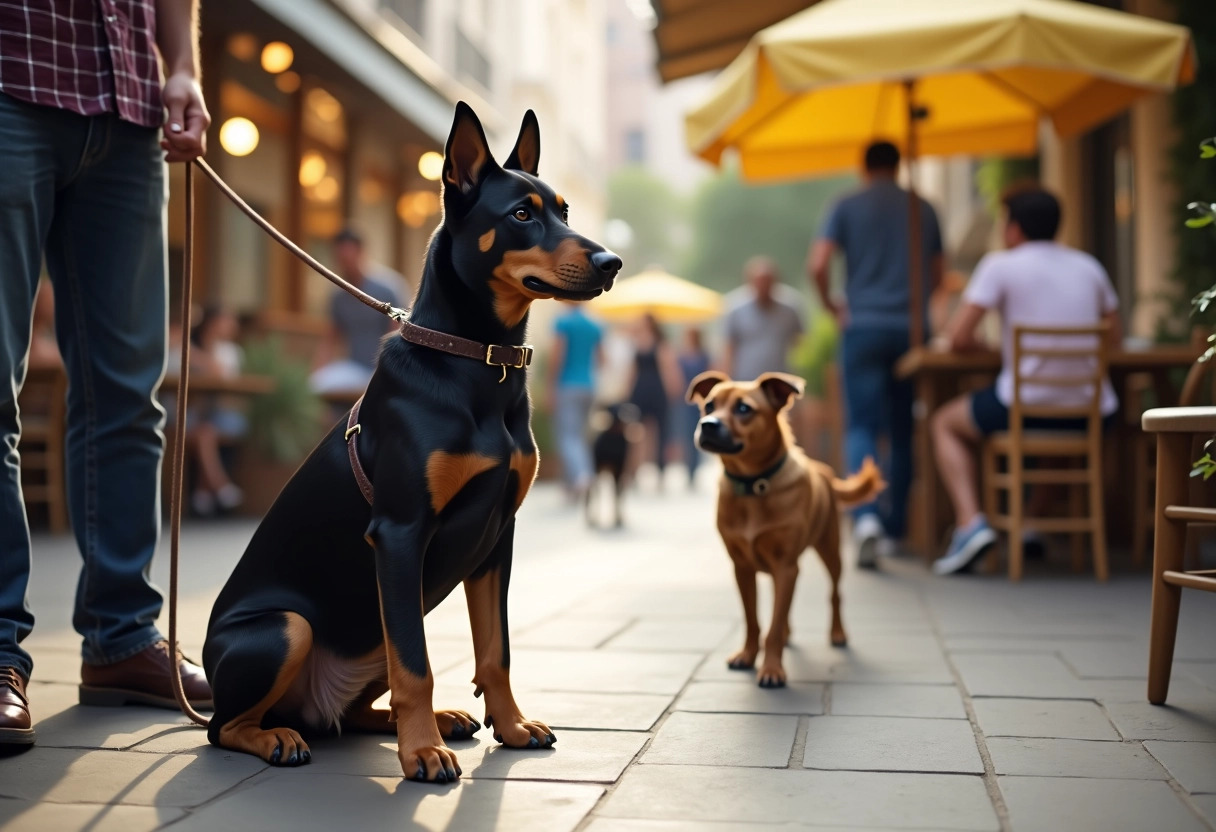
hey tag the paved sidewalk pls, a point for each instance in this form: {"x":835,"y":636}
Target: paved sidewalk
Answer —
{"x":965,"y":703}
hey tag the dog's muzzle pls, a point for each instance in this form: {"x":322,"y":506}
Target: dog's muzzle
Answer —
{"x":715,"y":437}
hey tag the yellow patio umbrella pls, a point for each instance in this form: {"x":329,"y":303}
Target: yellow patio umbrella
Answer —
{"x":669,"y":298}
{"x":936,"y":78}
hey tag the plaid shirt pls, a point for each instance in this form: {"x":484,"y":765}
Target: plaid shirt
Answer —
{"x":87,"y":56}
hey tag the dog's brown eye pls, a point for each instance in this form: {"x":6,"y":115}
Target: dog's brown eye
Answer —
{"x":566,"y":216}
{"x":743,"y":408}
{"x":522,"y":214}
{"x":709,"y":407}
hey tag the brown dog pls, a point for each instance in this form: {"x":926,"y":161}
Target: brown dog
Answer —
{"x":773,"y":502}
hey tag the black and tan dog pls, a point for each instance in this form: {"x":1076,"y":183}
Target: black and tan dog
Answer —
{"x":414,"y":497}
{"x":773,"y":502}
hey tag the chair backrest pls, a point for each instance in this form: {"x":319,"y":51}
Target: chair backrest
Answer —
{"x":1058,"y":357}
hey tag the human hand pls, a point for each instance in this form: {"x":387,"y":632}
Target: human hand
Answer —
{"x":186,"y":127}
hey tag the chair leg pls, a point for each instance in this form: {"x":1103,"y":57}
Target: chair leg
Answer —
{"x":988,"y":460}
{"x":1097,"y":516}
{"x":1169,"y":540}
{"x":1076,"y":508}
{"x":1016,"y":514}
{"x":1142,"y":512}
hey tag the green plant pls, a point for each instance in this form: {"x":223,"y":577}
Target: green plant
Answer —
{"x":1204,"y":214}
{"x":993,"y":176}
{"x":284,"y":423}
{"x":815,"y":351}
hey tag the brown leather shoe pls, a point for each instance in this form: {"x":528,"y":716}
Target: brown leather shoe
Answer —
{"x":143,"y":679}
{"x":16,"y":728}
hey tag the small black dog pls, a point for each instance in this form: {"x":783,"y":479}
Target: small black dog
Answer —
{"x":619,"y":426}
{"x":412,"y":496}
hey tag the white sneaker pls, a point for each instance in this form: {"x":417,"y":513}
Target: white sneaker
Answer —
{"x":966,"y":547}
{"x":229,"y":497}
{"x":869,"y":538}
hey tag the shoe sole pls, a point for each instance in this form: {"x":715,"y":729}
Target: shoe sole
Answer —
{"x":16,"y":736}
{"x":867,"y":553}
{"x":117,"y":697}
{"x":975,"y":549}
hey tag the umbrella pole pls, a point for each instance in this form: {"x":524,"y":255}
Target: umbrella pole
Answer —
{"x":916,"y":277}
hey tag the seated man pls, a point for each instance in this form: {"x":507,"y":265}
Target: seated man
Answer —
{"x":353,"y":324}
{"x":1037,"y":282}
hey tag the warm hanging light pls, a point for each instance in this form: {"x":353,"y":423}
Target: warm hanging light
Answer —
{"x":243,"y":46}
{"x":277,"y":57}
{"x":312,"y":168}
{"x":430,"y":165}
{"x":326,"y":190}
{"x":287,"y":82}
{"x":239,"y":136}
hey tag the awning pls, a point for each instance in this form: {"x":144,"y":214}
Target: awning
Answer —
{"x":700,"y":35}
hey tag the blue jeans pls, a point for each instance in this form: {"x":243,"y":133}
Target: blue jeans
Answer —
{"x":878,"y":404}
{"x":570,"y":423}
{"x":90,"y":194}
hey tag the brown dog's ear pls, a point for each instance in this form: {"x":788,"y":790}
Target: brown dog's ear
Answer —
{"x":699,"y":387}
{"x":526,"y":154}
{"x":781,"y":388}
{"x":467,"y":154}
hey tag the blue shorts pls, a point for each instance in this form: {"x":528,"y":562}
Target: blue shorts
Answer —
{"x":990,"y":416}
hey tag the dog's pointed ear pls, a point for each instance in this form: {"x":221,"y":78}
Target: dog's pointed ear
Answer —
{"x":781,"y":388}
{"x":525,"y":155}
{"x":466,"y":158}
{"x":700,"y":387}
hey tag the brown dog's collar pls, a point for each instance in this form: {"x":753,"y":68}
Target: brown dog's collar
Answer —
{"x":496,"y":355}
{"x":758,"y":485}
{"x":353,"y":429}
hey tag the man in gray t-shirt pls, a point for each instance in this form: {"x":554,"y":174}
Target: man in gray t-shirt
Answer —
{"x":354,"y":325}
{"x":761,"y":330}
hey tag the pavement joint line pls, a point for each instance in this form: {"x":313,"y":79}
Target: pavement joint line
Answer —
{"x":798,"y":749}
{"x":827,"y":698}
{"x":991,"y":785}
{"x":620,"y":631}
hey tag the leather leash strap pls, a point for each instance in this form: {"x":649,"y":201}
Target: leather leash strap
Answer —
{"x":353,"y":429}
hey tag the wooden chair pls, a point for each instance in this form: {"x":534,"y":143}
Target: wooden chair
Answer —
{"x":43,"y":405}
{"x":1019,"y":443}
{"x":1175,"y":428}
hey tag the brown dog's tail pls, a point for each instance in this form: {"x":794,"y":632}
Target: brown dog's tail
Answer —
{"x":861,"y":487}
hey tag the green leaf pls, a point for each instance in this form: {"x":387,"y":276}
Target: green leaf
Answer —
{"x":1207,"y":151}
{"x":1200,"y":222}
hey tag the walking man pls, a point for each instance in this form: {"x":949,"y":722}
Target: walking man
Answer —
{"x":82,"y":106}
{"x":870,"y":228}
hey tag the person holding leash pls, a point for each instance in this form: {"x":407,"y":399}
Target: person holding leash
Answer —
{"x":87,"y":123}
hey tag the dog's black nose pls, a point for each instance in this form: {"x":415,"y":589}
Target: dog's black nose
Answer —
{"x":713,"y":429}
{"x":606,"y":263}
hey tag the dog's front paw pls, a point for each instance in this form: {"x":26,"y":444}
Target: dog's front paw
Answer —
{"x":429,"y":764}
{"x":745,"y":659}
{"x":521,"y":733}
{"x":771,"y":676}
{"x":456,"y":725}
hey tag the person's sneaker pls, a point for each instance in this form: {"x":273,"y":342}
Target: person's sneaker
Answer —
{"x":203,"y":503}
{"x":870,"y":540}
{"x":966,"y":547}
{"x":16,"y":727}
{"x":229,"y":497}
{"x":143,"y":679}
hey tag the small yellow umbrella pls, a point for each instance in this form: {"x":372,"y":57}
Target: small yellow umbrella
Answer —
{"x":937,"y":78}
{"x":669,"y":298}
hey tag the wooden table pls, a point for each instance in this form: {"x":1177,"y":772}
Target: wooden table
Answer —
{"x":939,"y":375}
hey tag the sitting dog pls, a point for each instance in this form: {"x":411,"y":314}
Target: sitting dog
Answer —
{"x":619,"y":426}
{"x":413,"y":496}
{"x":773,"y":502}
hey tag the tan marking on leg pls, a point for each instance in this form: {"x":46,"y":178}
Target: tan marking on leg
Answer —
{"x":447,"y":473}
{"x":245,"y":732}
{"x":486,"y":241}
{"x":524,"y":465}
{"x":420,"y":748}
{"x":491,"y":677}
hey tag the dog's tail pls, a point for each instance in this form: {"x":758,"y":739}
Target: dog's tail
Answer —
{"x":861,"y":487}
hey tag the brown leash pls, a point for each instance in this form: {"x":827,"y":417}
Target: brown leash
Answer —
{"x":494,"y":355}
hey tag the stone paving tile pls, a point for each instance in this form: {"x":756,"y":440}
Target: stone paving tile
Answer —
{"x":1206,"y":804}
{"x":60,"y":722}
{"x":299,"y":799}
{"x":27,"y":816}
{"x":1136,"y":690}
{"x":1077,"y":804}
{"x":1192,"y":764}
{"x":60,"y":775}
{"x":682,"y":634}
{"x":1061,"y":718}
{"x":597,"y":671}
{"x":874,"y":743}
{"x":1202,"y":672}
{"x":570,"y":632}
{"x":728,"y":697}
{"x":57,"y":664}
{"x":1073,"y":758}
{"x":883,"y":659}
{"x":579,"y":756}
{"x":932,"y":701}
{"x":715,"y":601}
{"x":1181,"y":719}
{"x":844,"y":798}
{"x":638,"y":825}
{"x":723,"y":740}
{"x":1033,"y":676}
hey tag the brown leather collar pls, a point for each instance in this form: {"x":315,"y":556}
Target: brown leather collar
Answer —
{"x":353,"y":429}
{"x":496,"y":355}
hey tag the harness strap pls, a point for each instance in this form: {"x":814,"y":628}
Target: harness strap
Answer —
{"x":353,"y":429}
